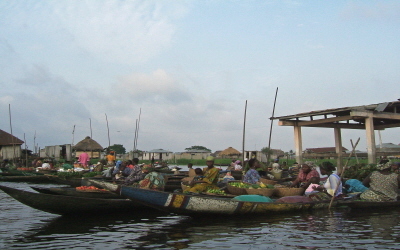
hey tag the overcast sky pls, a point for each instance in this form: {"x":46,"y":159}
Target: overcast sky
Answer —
{"x":190,"y":66}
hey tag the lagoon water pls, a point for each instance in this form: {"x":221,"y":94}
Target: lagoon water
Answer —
{"x":22,"y":227}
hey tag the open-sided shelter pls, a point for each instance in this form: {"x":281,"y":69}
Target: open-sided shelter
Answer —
{"x":92,"y":147}
{"x":368,"y":117}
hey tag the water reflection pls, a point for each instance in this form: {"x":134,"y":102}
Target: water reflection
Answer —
{"x":26,"y":228}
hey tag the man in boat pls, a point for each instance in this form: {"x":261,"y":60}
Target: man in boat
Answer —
{"x":210,"y":179}
{"x":153,"y":179}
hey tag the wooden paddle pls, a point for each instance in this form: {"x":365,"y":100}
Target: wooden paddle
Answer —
{"x":343,"y":169}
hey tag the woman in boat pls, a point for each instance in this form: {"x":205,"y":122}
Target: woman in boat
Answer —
{"x":136,"y":174}
{"x":252,"y":176}
{"x":306,"y":173}
{"x":383,"y":184}
{"x":100,"y":166}
{"x":210,"y":179}
{"x":332,"y":185}
{"x":153,"y":180}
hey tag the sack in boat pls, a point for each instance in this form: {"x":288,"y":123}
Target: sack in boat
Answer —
{"x":282,"y":192}
{"x":293,"y":199}
{"x":267,"y":181}
{"x":261,"y":191}
{"x":184,"y":186}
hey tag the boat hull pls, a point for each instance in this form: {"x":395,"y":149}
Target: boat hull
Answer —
{"x":198,"y":204}
{"x":73,"y":192}
{"x":62,"y":204}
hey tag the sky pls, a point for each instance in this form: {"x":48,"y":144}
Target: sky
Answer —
{"x":71,"y":69}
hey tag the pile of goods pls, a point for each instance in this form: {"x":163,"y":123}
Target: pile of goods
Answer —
{"x":26,"y":169}
{"x":214,"y":191}
{"x":240,"y":188}
{"x":90,"y":189}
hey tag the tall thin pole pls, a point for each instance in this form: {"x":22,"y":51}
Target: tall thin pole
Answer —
{"x":108,"y":131}
{"x":134,"y":140}
{"x":137,"y":131}
{"x":34,"y":143}
{"x":73,"y":135}
{"x":12,"y":137}
{"x":270,"y":129}
{"x":244,"y":131}
{"x":26,"y":153}
{"x":90,"y":124}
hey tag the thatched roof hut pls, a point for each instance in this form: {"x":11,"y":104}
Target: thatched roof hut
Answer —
{"x":231,"y":152}
{"x":88,"y":144}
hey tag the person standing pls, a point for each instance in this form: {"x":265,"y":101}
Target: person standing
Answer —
{"x":84,"y":159}
{"x":111,"y":158}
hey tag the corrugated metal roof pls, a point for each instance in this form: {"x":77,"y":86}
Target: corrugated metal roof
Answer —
{"x":7,"y":139}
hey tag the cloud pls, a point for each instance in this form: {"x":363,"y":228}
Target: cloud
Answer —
{"x":155,"y":87}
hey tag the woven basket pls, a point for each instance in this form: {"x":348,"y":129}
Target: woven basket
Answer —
{"x":262,"y":191}
{"x":236,"y":190}
{"x":282,"y":192}
{"x":266,"y":181}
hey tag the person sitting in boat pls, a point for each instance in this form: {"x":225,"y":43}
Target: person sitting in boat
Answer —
{"x":153,"y":179}
{"x":252,"y":176}
{"x":238,"y":166}
{"x":231,"y":165}
{"x":136,"y":174}
{"x":294,"y":170}
{"x":100,"y":166}
{"x":333,"y":184}
{"x":313,"y":187}
{"x":111,"y":158}
{"x":198,"y":177}
{"x":210,"y":179}
{"x":383,"y":184}
{"x":305,"y":174}
{"x":228,"y":177}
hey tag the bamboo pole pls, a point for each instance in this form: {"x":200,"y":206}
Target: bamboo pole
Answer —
{"x":270,"y":129}
{"x":342,"y":173}
{"x":244,"y":133}
{"x":108,"y":132}
{"x":26,"y":153}
{"x":12,"y":136}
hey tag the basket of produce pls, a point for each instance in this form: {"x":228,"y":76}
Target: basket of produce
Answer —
{"x":90,"y":189}
{"x":237,"y":187}
{"x":215,"y":191}
{"x":266,"y":181}
{"x":287,"y":191}
{"x":261,"y":189}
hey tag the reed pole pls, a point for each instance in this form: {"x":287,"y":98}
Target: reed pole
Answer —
{"x":90,"y":125}
{"x":108,"y":132}
{"x":26,"y":153}
{"x":244,"y":132}
{"x":270,"y":129}
{"x":73,"y":135}
{"x":138,"y":126}
{"x":12,"y":136}
{"x":344,"y":168}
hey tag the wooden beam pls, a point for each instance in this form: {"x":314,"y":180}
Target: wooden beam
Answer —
{"x":369,"y":128}
{"x":338,"y":148}
{"x":298,"y":144}
{"x":376,"y":115}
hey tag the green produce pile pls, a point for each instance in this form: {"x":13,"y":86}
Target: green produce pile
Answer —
{"x":216,"y":191}
{"x":359,"y":171}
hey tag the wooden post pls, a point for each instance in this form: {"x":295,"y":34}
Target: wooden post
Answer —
{"x":244,"y":132}
{"x":369,"y":129}
{"x":298,"y":144}
{"x":338,"y":147}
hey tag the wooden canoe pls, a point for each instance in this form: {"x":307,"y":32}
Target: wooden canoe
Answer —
{"x":180,"y":203}
{"x":31,"y":179}
{"x":62,"y":204}
{"x":71,"y":191}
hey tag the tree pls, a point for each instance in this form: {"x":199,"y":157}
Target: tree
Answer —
{"x":267,"y":150}
{"x":117,"y":148}
{"x":198,"y":148}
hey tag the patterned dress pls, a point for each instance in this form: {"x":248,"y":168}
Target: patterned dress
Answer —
{"x":153,"y":181}
{"x":210,"y":180}
{"x":252,"y":176}
{"x":382,"y":187}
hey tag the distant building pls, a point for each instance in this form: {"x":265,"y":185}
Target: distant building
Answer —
{"x":10,"y":146}
{"x":158,"y":155}
{"x":322,"y":153}
{"x":195,"y":154}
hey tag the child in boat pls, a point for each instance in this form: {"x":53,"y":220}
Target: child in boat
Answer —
{"x":198,"y":177}
{"x":312,"y":188}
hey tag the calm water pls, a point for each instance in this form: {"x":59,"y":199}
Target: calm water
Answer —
{"x":23,"y":227}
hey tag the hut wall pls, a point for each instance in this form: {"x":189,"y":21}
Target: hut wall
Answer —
{"x":9,"y":152}
{"x":194,"y":156}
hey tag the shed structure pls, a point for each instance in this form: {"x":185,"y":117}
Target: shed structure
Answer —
{"x":368,"y":117}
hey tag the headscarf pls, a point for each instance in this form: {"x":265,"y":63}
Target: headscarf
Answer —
{"x":148,"y":167}
{"x":237,"y":162}
{"x":118,"y":164}
{"x":384,"y":166}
